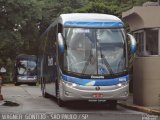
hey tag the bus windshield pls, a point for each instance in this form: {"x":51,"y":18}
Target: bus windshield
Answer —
{"x":26,"y":67}
{"x":92,"y":51}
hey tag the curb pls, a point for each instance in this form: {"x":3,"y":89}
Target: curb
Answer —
{"x":140,"y":108}
{"x":2,"y":102}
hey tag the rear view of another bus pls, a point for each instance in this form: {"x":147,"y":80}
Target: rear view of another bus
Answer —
{"x":25,"y":71}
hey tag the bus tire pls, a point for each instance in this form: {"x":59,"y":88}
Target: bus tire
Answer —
{"x":112,"y":104}
{"x":44,"y":94}
{"x":59,"y":101}
{"x":33,"y":84}
{"x":16,"y":84}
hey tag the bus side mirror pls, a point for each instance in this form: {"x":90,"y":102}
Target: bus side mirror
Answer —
{"x":60,"y":43}
{"x":132,"y":43}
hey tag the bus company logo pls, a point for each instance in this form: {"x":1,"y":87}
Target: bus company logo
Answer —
{"x":97,"y":88}
{"x":97,"y":77}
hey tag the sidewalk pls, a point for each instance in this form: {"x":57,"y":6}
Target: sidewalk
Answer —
{"x":2,"y":102}
{"x":129,"y":104}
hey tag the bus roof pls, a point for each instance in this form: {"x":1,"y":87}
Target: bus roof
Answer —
{"x":90,"y":20}
{"x":86,"y":20}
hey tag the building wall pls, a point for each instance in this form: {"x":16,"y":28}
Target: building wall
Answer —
{"x":144,"y":22}
{"x":142,"y":17}
{"x":146,"y":75}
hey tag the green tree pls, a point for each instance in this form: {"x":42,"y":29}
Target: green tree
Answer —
{"x":18,"y":18}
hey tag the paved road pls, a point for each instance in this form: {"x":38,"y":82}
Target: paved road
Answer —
{"x":30,"y":100}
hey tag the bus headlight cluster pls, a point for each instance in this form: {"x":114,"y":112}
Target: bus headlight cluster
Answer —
{"x":21,"y":78}
{"x":122,"y":84}
{"x":70,"y":84}
{"x":35,"y":77}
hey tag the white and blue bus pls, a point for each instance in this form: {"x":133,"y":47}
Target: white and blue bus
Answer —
{"x":85,"y":57}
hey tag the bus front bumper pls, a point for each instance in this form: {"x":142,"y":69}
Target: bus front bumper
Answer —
{"x":78,"y":92}
{"x":26,"y":81}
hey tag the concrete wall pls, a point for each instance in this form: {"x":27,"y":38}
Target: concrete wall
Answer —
{"x":146,"y":81}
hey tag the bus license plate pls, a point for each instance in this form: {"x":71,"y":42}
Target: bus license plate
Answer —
{"x":97,"y":95}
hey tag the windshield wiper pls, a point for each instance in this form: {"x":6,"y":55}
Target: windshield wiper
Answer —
{"x":87,"y":63}
{"x":106,"y":62}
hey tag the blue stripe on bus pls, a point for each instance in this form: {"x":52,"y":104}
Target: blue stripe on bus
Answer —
{"x":94,"y":24}
{"x":96,"y":82}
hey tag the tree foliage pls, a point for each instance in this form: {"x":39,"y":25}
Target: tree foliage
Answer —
{"x":18,"y":24}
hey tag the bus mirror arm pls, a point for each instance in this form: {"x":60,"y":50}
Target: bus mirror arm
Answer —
{"x":60,"y":42}
{"x":132,"y":43}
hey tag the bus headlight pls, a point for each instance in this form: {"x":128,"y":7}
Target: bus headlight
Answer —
{"x":70,"y":84}
{"x":122,"y":84}
{"x":32,"y":78}
{"x":35,"y":77}
{"x":21,"y":78}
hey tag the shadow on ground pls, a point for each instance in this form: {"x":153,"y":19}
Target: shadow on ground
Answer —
{"x":10,"y":103}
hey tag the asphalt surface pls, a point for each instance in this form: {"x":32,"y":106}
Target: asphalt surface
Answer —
{"x":30,"y":101}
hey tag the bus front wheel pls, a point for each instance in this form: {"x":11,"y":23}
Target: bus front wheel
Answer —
{"x":44,"y":94}
{"x":32,"y":84}
{"x":43,"y":88}
{"x":112,"y":104}
{"x":59,"y":101}
{"x":16,"y":84}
